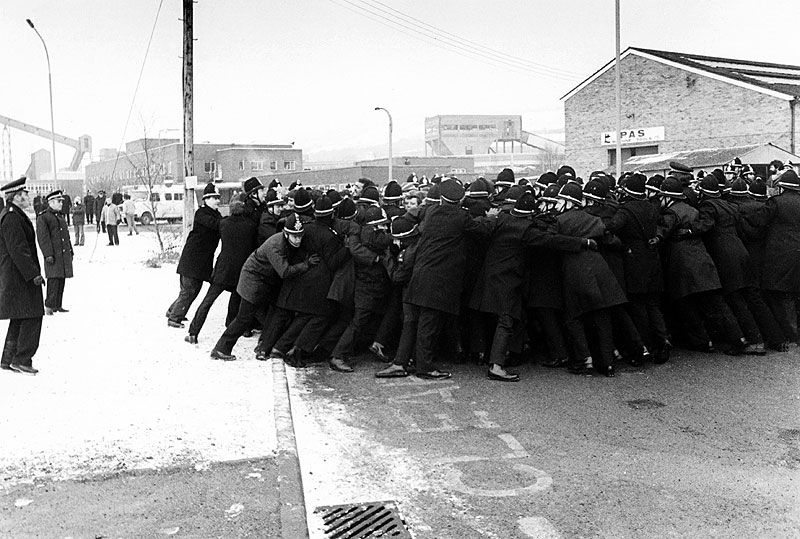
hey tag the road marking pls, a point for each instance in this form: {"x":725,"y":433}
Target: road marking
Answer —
{"x":483,"y":420}
{"x":517,"y":451}
{"x":541,"y":482}
{"x":538,"y":527}
{"x":445,"y":393}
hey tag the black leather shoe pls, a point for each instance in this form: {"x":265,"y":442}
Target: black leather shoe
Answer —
{"x":191,"y":339}
{"x":5,"y":367}
{"x":216,"y":354}
{"x":556,"y":363}
{"x":173,"y":324}
{"x":507,"y":377}
{"x":294,"y":358}
{"x":61,"y":310}
{"x":339,"y":365}
{"x":24,"y":369}
{"x":434,"y":375}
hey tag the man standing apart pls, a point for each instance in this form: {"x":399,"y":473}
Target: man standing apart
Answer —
{"x":99,"y":204}
{"x":88,"y":204}
{"x":197,"y":259}
{"x":56,"y":247}
{"x":20,"y":281}
{"x":78,"y":219}
{"x":129,"y":209}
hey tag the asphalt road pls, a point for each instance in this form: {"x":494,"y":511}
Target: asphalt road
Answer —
{"x":703,"y":446}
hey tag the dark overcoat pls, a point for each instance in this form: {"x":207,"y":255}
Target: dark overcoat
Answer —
{"x":752,"y":237}
{"x":403,"y":268}
{"x":611,"y":248}
{"x":589,"y":284}
{"x":499,"y":290}
{"x":308,"y":293}
{"x":636,"y":223}
{"x":19,"y":265}
{"x":78,"y":214}
{"x":267,"y":226}
{"x":393,"y":211}
{"x":52,"y":232}
{"x":689,"y":268}
{"x":372,"y":279}
{"x":88,"y":204}
{"x":544,"y":286}
{"x":343,"y":280}
{"x":197,"y":258}
{"x":716,"y":222}
{"x":99,"y":202}
{"x":781,"y":266}
{"x":265,"y":269}
{"x":236,"y":234}
{"x":438,"y":278}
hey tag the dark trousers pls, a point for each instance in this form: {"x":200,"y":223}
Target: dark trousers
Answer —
{"x":337,"y":323}
{"x":767,"y":325}
{"x":190,"y":289}
{"x":304,"y":332}
{"x":55,"y":292}
{"x":781,"y":305}
{"x":600,"y":330}
{"x":89,"y":218}
{"x":625,"y":333}
{"x":22,"y":341}
{"x":744,"y":317}
{"x":408,"y":335}
{"x":276,"y":323}
{"x":389,"y":330}
{"x":100,"y":224}
{"x":645,"y":311}
{"x":367,"y":310}
{"x":552,"y":323}
{"x":502,"y":336}
{"x":80,"y":238}
{"x":429,"y":328}
{"x":698,"y":309}
{"x":211,"y":296}
{"x":113,"y":237}
{"x":238,"y":326}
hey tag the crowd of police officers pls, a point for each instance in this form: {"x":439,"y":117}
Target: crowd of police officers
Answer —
{"x":597,"y":272}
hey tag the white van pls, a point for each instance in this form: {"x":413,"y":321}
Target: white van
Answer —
{"x":163,"y":203}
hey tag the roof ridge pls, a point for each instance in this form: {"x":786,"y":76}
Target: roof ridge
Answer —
{"x":692,"y":56}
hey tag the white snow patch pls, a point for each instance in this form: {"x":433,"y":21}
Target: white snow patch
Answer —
{"x":118,"y":389}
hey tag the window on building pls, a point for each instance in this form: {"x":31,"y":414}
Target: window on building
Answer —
{"x":627,"y":153}
{"x":289,"y":165}
{"x":273,"y":165}
{"x":468,"y":150}
{"x":256,"y":165}
{"x":210,"y":166}
{"x":241,"y":165}
{"x":167,"y":196}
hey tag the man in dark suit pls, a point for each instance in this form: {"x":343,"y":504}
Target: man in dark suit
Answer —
{"x":56,"y":246}
{"x":88,"y":204}
{"x":20,"y":282}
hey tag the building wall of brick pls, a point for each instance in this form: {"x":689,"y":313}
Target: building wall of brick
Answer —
{"x":696,"y":111}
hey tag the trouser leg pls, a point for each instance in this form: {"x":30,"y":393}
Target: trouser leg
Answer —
{"x":312,"y":333}
{"x":345,"y":347}
{"x":54,"y":285}
{"x":236,"y":329}
{"x":201,"y":313}
{"x":743,"y":316}
{"x":290,"y":334}
{"x":30,"y":332}
{"x":625,"y":330}
{"x":337,"y":323}
{"x":10,"y":346}
{"x":233,"y":307}
{"x":720,"y":316}
{"x":389,"y":329}
{"x":778,"y":305}
{"x":553,"y":327}
{"x":60,"y":293}
{"x":429,"y":329}
{"x":408,"y":335}
{"x":277,"y":321}
{"x":190,"y":289}
{"x":767,"y":325}
{"x":601,"y":321}
{"x":502,"y":336}
{"x":579,"y":345}
{"x":691,"y":321}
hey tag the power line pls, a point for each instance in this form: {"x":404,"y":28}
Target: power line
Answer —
{"x":476,"y":45}
{"x":457,"y":48}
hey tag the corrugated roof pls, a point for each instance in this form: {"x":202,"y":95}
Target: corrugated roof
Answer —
{"x":700,"y":158}
{"x":777,"y":77}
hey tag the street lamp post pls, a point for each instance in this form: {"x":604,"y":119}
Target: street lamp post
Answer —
{"x":50,"y":84}
{"x":390,"y":140}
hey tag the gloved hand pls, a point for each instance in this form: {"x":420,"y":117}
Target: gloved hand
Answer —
{"x":590,"y":245}
{"x":314,"y":260}
{"x":653,"y":242}
{"x":38,"y":280}
{"x":50,"y":260}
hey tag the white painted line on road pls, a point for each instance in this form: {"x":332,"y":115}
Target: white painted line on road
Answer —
{"x":517,"y":451}
{"x":538,"y":527}
{"x":445,"y":393}
{"x":483,"y":420}
{"x":542,"y":481}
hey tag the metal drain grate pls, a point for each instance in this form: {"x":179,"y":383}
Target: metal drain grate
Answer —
{"x":645,"y":404}
{"x":363,"y":521}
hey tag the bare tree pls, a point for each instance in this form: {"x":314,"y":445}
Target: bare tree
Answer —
{"x":149,"y":170}
{"x":551,"y":159}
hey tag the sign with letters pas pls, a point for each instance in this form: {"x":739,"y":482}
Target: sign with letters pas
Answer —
{"x":634,"y":136}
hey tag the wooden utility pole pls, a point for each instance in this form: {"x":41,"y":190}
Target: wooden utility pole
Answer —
{"x":190,"y":180}
{"x":618,"y":92}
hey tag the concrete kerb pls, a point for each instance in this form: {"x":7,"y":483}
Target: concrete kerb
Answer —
{"x":290,"y":482}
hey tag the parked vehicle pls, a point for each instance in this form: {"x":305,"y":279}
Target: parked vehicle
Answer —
{"x":165,"y":202}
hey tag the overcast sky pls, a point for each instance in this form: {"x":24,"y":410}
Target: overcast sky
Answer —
{"x":312,"y":71}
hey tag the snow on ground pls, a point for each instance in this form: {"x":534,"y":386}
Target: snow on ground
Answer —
{"x":118,"y":389}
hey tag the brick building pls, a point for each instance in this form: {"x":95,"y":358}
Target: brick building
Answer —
{"x":212,"y":162}
{"x":675,"y":102}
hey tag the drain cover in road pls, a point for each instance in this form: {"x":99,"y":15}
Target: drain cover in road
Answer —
{"x":645,"y":404}
{"x":363,"y":521}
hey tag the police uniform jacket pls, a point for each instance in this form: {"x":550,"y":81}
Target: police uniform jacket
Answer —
{"x":99,"y":202}
{"x":716,"y":222}
{"x":544,"y":283}
{"x":372,"y":279}
{"x":265,"y":269}
{"x":611,"y":250}
{"x":393,"y":211}
{"x":308,"y":293}
{"x":403,"y":268}
{"x":752,"y":237}
{"x":689,"y":268}
{"x":588,"y":282}
{"x":197,"y":258}
{"x":343,"y":280}
{"x":267,"y":226}
{"x":19,"y":265}
{"x":438,"y":278}
{"x":235,"y":232}
{"x":500,"y":288}
{"x":781,"y":266}
{"x":636,"y":223}
{"x":53,"y":235}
